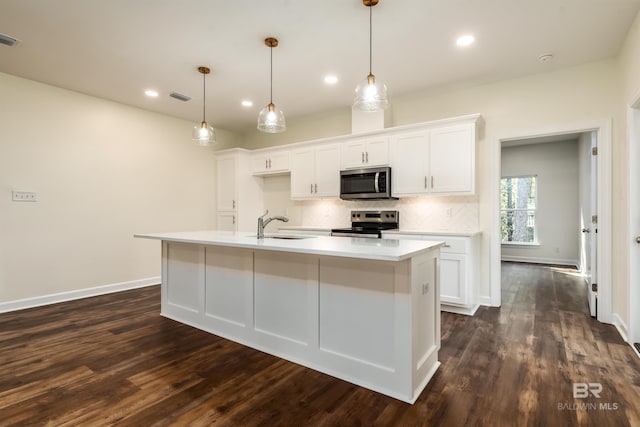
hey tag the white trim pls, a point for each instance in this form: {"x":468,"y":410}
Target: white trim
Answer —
{"x":484,"y":300}
{"x":536,"y":260}
{"x":603,"y":129}
{"x":633,"y":174}
{"x":77,"y":294}
{"x":622,"y":328}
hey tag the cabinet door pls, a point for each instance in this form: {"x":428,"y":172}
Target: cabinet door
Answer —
{"x":227,"y":183}
{"x":409,"y":157}
{"x":452,"y":164}
{"x":452,"y":279}
{"x":278,"y":162}
{"x":327,"y":171}
{"x":377,"y":152}
{"x":270,"y":163}
{"x":227,"y":221}
{"x":353,"y":154}
{"x":302,"y":173}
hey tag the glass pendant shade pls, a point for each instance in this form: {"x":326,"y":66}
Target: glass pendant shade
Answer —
{"x":371,"y":95}
{"x":271,"y":119}
{"x":203,"y":134}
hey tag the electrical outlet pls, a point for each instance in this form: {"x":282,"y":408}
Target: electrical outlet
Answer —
{"x":425,"y":288}
{"x":23,"y":196}
{"x":449,"y":212}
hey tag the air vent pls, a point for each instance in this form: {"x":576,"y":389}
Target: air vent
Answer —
{"x":179,"y":96}
{"x":8,"y":40}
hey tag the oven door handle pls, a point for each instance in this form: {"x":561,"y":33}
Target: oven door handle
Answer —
{"x":362,"y":235}
{"x":376,"y":185}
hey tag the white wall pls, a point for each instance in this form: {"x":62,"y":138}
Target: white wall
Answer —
{"x":102,"y":171}
{"x":514,"y":108}
{"x":555,"y":165}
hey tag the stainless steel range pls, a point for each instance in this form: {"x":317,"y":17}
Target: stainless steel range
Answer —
{"x":369,"y":224}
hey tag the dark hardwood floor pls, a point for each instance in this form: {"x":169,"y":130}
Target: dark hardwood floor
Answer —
{"x":113,"y":360}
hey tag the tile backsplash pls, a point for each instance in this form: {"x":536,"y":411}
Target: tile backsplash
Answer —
{"x":430,"y":213}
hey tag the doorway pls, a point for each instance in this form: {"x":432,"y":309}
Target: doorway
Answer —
{"x":601,"y":268}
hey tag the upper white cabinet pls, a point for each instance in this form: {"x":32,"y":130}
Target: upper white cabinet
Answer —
{"x":434,"y":160}
{"x":315,"y":172}
{"x":239,"y":194}
{"x":365,"y":152}
{"x":227,"y":182}
{"x":270,"y":162}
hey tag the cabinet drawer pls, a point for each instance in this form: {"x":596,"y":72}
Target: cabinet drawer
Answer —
{"x":454,"y":245}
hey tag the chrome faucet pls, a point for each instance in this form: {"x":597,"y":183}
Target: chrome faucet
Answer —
{"x":262,"y":223}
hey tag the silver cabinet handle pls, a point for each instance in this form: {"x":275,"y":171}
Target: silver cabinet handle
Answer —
{"x":366,"y":156}
{"x":638,"y":240}
{"x":425,"y":182}
{"x":311,"y":191}
{"x":316,"y":188}
{"x":266,"y":164}
{"x":363,"y":157}
{"x":234,"y":220}
{"x":269,"y":163}
{"x":233,"y":204}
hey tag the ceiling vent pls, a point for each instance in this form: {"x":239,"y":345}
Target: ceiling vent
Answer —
{"x":8,"y":40}
{"x":179,"y":96}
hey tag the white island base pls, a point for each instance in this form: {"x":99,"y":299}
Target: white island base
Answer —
{"x":372,"y":322}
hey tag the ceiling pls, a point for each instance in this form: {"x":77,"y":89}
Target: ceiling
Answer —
{"x":116,"y":49}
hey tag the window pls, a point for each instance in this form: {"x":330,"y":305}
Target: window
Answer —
{"x":518,"y":209}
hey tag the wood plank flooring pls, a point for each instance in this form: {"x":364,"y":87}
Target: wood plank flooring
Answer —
{"x":112,"y":360}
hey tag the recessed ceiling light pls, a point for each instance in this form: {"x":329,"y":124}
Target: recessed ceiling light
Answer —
{"x":151,"y":93}
{"x":465,"y":40}
{"x":331,"y":79}
{"x":247,"y":103}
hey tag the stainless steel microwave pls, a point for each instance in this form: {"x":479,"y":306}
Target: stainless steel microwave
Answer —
{"x":366,"y":184}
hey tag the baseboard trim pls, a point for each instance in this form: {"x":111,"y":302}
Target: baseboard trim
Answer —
{"x":77,"y":294}
{"x":484,"y":301}
{"x":534,"y":260}
{"x":621,"y":326}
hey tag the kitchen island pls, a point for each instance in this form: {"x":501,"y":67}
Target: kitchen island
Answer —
{"x":363,"y":310}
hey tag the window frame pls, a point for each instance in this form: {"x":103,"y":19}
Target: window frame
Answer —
{"x":535,"y":241}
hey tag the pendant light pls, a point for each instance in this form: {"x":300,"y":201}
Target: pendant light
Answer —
{"x":271,"y":119}
{"x":203,"y":134}
{"x":371,"y":94}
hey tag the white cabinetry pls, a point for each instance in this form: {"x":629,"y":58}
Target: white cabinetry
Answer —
{"x":270,"y":162}
{"x":315,"y":172}
{"x":434,"y":160}
{"x":459,"y":270}
{"x":365,"y":152}
{"x":239,"y":194}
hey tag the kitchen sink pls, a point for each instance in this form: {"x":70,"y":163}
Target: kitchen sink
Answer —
{"x":286,"y":237}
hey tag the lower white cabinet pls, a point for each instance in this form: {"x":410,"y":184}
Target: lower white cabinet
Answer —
{"x":227,"y":221}
{"x":459,"y":269}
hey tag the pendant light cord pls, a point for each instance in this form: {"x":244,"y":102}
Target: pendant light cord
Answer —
{"x":204,"y":97}
{"x":271,"y":77}
{"x":370,"y":37}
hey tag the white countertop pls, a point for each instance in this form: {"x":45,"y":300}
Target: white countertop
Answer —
{"x":377,"y":249}
{"x":400,"y":231}
{"x":432,"y":233}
